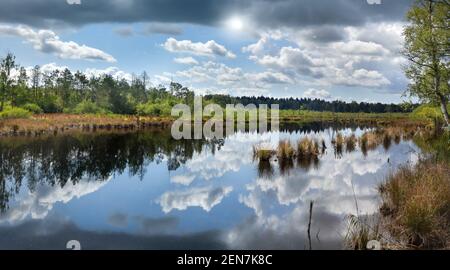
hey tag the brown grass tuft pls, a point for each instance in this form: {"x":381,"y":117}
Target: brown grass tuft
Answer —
{"x":416,"y":200}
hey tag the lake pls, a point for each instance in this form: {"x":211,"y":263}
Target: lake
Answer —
{"x":145,"y":190}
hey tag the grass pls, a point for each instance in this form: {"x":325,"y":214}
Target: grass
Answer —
{"x":350,"y":143}
{"x":372,"y":118}
{"x":362,"y":230}
{"x":53,"y":123}
{"x":22,"y":122}
{"x":285,"y":150}
{"x":262,"y":154}
{"x":416,"y":204}
{"x":307,"y":147}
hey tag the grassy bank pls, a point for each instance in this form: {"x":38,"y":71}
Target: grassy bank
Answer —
{"x":415,"y":208}
{"x":53,"y":123}
{"x":21,"y":122}
{"x":299,"y":115}
{"x":416,"y":205}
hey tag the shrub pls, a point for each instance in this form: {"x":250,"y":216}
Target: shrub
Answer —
{"x":51,"y":104}
{"x":154,"y":109}
{"x":88,"y":107}
{"x":14,"y":113}
{"x":428,"y":111}
{"x":34,"y":108}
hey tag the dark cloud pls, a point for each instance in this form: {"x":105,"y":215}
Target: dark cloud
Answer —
{"x":327,"y":33}
{"x":162,"y":28}
{"x":273,"y":13}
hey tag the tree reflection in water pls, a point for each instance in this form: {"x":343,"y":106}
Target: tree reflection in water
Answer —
{"x":59,"y":159}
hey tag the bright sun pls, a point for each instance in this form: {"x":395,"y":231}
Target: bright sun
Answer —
{"x":236,"y":23}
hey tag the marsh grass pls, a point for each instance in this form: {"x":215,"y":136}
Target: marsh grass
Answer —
{"x":361,"y":230}
{"x":307,"y":147}
{"x":416,"y":203}
{"x":285,"y":150}
{"x":350,"y":143}
{"x":262,"y":154}
{"x":338,"y":144}
{"x":56,"y":123}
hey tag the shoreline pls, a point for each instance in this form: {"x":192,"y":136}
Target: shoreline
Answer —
{"x":45,"y":124}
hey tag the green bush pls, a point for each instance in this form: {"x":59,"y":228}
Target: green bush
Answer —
{"x":154,"y":109}
{"x":34,"y":108}
{"x":88,"y":107}
{"x":14,"y":113}
{"x":428,"y":111}
{"x":51,"y":104}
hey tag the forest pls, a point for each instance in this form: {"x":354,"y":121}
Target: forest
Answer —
{"x":24,"y":91}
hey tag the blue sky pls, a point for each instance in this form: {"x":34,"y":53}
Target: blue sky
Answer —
{"x":346,"y":49}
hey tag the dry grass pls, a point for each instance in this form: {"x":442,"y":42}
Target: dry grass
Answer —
{"x":262,"y":154}
{"x":285,"y":150}
{"x":350,"y":143}
{"x":416,"y":201}
{"x":307,"y":147}
{"x":361,"y":230}
{"x":53,"y":123}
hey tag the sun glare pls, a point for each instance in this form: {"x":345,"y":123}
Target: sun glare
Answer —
{"x":236,"y":24}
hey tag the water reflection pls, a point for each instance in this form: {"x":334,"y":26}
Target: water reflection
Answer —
{"x":147,"y":191}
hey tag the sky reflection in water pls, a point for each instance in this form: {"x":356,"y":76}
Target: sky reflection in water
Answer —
{"x":215,"y":198}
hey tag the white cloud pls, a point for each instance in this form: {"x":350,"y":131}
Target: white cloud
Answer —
{"x":257,"y":47}
{"x":73,"y":2}
{"x":39,"y":203}
{"x":186,"y":61}
{"x":206,"y":198}
{"x":185,"y":180}
{"x":219,"y":75}
{"x":269,"y":77}
{"x":356,"y":47}
{"x":319,"y":94}
{"x":327,"y":69}
{"x":50,"y":67}
{"x":210,"y":48}
{"x":48,"y":42}
{"x":113,"y":71}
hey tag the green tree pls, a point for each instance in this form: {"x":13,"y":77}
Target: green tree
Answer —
{"x":427,"y":47}
{"x":6,"y":66}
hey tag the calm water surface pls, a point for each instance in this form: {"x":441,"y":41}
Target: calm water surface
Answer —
{"x":148,"y":191}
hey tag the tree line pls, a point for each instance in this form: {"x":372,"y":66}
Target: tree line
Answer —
{"x":313,"y":104}
{"x":60,"y":91}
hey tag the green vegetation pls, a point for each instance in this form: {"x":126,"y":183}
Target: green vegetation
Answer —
{"x":428,"y":111}
{"x":63,"y":91}
{"x":88,"y":107}
{"x":317,"y":105}
{"x":14,"y":113}
{"x":313,"y":116}
{"x":34,"y":108}
{"x":427,"y":48}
